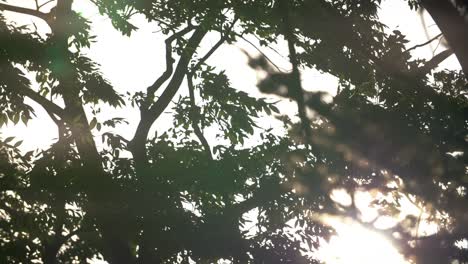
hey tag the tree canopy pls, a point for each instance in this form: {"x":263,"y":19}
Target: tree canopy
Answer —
{"x":397,"y":127}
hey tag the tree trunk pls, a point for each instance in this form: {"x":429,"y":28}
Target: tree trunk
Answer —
{"x":102,"y":207}
{"x":453,"y":27}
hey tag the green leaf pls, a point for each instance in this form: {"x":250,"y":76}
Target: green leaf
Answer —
{"x":16,"y":118}
{"x":24,"y":119}
{"x":17,"y":144}
{"x":93,"y":123}
{"x":275,"y":109}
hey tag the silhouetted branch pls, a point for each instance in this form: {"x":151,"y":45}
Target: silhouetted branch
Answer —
{"x":179,"y":74}
{"x":96,"y":179}
{"x":44,"y":4}
{"x":148,"y":117}
{"x":208,"y":54}
{"x":25,"y":11}
{"x":214,"y":48}
{"x":423,"y":44}
{"x":261,"y":52}
{"x":273,"y":49}
{"x":195,"y":125}
{"x":435,"y":61}
{"x":169,"y":62}
{"x":453,"y":26}
{"x":49,"y":106}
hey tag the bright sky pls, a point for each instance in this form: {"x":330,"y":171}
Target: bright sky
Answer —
{"x":132,"y":64}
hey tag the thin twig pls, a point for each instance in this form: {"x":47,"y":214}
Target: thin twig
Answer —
{"x":214,"y":48}
{"x":163,"y":22}
{"x":418,"y":224}
{"x":273,"y":49}
{"x":44,"y":4}
{"x":423,"y":44}
{"x":436,"y":47}
{"x":208,"y":54}
{"x":263,"y":54}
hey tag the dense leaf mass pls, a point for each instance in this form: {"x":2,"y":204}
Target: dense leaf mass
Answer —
{"x":396,"y":128}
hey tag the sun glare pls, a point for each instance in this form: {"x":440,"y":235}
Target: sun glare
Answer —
{"x":355,"y":244}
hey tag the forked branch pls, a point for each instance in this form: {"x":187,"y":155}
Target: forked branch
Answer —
{"x":223,"y":38}
{"x":198,"y":131}
{"x":169,"y":62}
{"x":179,"y":74}
{"x":149,"y":116}
{"x":25,"y":11}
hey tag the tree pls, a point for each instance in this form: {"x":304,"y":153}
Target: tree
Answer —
{"x":177,"y":196}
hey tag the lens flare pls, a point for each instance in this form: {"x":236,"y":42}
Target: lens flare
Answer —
{"x":355,"y":244}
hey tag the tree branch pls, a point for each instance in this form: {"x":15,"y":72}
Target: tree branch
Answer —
{"x":435,"y":61}
{"x":195,"y":125}
{"x":21,"y":86}
{"x":261,"y":52}
{"x":198,"y":131}
{"x":423,"y":44}
{"x":271,"y":48}
{"x":25,"y":11}
{"x":169,"y":62}
{"x":208,"y":54}
{"x":148,"y":117}
{"x":214,"y":48}
{"x":44,"y":4}
{"x":453,"y":26}
{"x":115,"y":244}
{"x":49,"y":106}
{"x":181,"y":69}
